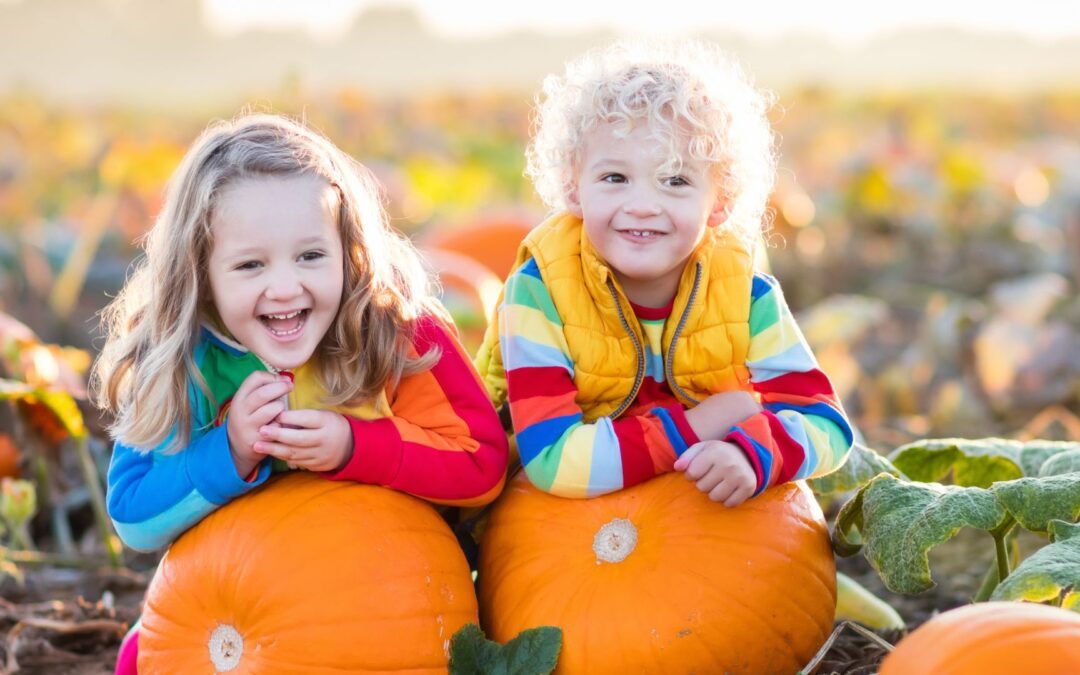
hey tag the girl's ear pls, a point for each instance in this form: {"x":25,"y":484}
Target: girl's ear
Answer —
{"x":719,"y":213}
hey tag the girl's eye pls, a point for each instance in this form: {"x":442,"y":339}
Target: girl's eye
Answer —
{"x":676,"y":181}
{"x":309,"y":256}
{"x":613,"y":178}
{"x":248,"y":265}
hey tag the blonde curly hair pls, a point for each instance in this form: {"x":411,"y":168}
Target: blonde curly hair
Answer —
{"x":695,"y":99}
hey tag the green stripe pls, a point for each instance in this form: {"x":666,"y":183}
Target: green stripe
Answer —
{"x":763,"y":313}
{"x":528,"y":291}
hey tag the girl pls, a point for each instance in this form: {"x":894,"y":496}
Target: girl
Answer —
{"x":276,"y":321}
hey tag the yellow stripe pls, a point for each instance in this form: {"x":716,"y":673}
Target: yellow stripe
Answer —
{"x":572,"y":479}
{"x":531,"y":323}
{"x":771,"y":341}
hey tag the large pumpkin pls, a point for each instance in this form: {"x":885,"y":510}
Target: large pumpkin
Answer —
{"x":658,"y":579}
{"x":991,"y":637}
{"x":309,"y":576}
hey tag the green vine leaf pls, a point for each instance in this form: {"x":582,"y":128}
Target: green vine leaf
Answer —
{"x":973,"y":463}
{"x":1035,"y":502}
{"x":1063,"y":462}
{"x":1051,"y":573}
{"x":863,"y":463}
{"x":901,"y":521}
{"x":533,"y":652}
{"x":1034,"y":454}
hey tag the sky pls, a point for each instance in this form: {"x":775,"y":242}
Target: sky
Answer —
{"x":845,"y":21}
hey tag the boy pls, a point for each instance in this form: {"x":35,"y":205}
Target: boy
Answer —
{"x":634,"y":336}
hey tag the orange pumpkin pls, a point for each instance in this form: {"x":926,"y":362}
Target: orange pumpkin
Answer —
{"x":658,"y":579}
{"x":493,"y":242}
{"x":991,"y":637}
{"x":309,"y":576}
{"x":9,"y":457}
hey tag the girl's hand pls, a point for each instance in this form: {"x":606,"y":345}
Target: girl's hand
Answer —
{"x":316,"y":440}
{"x":720,"y":469}
{"x":256,"y":403}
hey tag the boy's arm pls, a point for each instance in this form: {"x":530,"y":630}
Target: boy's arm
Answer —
{"x":802,"y":431}
{"x":153,"y":497}
{"x":443,"y":442}
{"x":561,"y":453}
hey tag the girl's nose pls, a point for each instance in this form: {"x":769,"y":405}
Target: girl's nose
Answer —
{"x":284,"y":285}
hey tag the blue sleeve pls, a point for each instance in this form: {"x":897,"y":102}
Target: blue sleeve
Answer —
{"x":153,"y":497}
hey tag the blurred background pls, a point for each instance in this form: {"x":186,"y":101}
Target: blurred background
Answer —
{"x":926,"y":215}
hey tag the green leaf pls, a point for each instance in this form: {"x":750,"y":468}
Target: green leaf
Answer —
{"x":1063,"y":462}
{"x":533,"y":652}
{"x":1034,"y":502}
{"x":901,"y":521}
{"x":1051,"y":573}
{"x":470,"y":652}
{"x":1035,"y":453}
{"x":974,"y":463}
{"x":862,"y":464}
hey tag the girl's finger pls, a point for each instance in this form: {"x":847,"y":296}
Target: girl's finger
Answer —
{"x":738,"y":497}
{"x":266,"y":413}
{"x":276,"y":450}
{"x":304,"y":418}
{"x":723,"y":491}
{"x":287,"y":435}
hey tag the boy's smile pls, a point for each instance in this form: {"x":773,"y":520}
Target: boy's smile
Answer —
{"x":277,"y":266}
{"x":644,"y":221}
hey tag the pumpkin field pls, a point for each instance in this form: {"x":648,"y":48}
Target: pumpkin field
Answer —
{"x":929,"y":245}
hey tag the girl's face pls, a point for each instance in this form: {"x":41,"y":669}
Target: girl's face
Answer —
{"x":277,"y":265}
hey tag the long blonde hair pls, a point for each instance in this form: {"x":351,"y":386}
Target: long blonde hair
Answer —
{"x":146,"y":370}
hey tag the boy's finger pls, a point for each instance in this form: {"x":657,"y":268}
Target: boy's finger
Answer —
{"x":688,"y":456}
{"x":723,"y":491}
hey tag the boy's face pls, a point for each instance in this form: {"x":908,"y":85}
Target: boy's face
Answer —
{"x":644,"y":222}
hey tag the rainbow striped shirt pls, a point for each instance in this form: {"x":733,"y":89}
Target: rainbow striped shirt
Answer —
{"x":802,"y":431}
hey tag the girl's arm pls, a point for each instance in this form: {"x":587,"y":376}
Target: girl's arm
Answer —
{"x":153,"y":497}
{"x":443,"y":442}
{"x":561,"y":453}
{"x":802,"y":431}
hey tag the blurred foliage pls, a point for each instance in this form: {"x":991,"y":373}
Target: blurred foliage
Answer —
{"x":929,"y":242}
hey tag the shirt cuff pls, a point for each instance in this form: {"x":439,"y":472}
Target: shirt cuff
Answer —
{"x":738,"y":437}
{"x":376,"y":456}
{"x":210,"y":466}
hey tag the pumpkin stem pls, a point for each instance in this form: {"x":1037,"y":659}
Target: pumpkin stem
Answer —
{"x":226,"y":647}
{"x":614,"y":541}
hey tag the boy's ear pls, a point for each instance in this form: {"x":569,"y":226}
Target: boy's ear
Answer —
{"x":719,"y":213}
{"x":573,"y":201}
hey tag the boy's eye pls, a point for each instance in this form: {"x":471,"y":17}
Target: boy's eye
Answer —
{"x":613,"y":178}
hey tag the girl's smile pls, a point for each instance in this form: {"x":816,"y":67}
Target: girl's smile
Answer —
{"x":277,"y":265}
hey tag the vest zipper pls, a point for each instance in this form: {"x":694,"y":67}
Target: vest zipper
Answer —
{"x":640,"y":375}
{"x":669,"y":363}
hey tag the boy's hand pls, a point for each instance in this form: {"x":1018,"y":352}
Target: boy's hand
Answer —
{"x":256,"y":403}
{"x":316,"y":440}
{"x":713,"y":418}
{"x":720,"y":469}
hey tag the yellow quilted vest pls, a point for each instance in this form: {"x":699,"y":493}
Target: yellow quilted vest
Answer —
{"x":705,"y":340}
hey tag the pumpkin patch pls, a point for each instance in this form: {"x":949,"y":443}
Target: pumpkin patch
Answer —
{"x":309,"y":576}
{"x":659,"y":579}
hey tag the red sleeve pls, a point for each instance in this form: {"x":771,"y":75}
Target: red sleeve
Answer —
{"x":443,"y":441}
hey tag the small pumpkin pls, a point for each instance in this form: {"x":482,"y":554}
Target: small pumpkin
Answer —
{"x":991,"y":637}
{"x":659,"y":579}
{"x":307,"y":575}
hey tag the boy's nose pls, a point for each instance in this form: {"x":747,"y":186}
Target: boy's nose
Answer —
{"x":642,"y":203}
